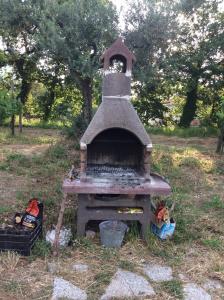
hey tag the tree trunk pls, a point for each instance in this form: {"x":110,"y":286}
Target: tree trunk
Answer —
{"x":191,"y":103}
{"x":220,"y":144}
{"x":13,"y":124}
{"x":23,"y":96}
{"x":49,"y":104}
{"x":86,"y":86}
{"x":21,"y":120}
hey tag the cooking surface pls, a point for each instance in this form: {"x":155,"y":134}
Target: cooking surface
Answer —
{"x":119,"y":175}
{"x":118,"y":185}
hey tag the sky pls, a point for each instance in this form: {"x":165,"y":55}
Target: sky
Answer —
{"x":121,"y":5}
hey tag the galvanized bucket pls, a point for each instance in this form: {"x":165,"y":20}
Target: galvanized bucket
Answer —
{"x":112,"y":233}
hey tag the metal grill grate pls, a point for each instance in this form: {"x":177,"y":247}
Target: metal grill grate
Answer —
{"x":120,"y":175}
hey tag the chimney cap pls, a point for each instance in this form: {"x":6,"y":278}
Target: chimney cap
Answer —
{"x":117,"y":49}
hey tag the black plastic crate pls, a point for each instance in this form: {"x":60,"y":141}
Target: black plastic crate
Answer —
{"x":19,"y":240}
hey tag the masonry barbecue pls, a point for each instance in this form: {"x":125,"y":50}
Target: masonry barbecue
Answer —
{"x":115,"y":153}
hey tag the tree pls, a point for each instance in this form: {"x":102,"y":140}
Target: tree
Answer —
{"x":9,"y":107}
{"x":220,"y":115}
{"x":197,"y":51}
{"x":19,"y":22}
{"x":3,"y":59}
{"x":75,"y":33}
{"x":51,"y":76}
{"x":149,"y":30}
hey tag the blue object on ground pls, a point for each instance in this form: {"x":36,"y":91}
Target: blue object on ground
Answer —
{"x":167,"y":230}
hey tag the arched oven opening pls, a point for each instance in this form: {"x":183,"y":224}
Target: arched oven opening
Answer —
{"x":115,"y":152}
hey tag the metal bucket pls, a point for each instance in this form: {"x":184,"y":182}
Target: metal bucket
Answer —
{"x":112,"y":233}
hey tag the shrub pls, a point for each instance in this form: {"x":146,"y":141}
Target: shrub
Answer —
{"x":77,"y":128}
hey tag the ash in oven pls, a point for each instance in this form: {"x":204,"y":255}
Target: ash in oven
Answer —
{"x":120,"y":175}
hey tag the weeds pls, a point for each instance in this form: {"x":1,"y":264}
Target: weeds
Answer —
{"x":41,"y":249}
{"x":4,"y":209}
{"x":174,"y":288}
{"x":15,"y":287}
{"x":214,"y":244}
{"x":214,"y":203}
{"x":9,"y":260}
{"x":126,"y":265}
{"x":190,"y":162}
{"x":133,"y":232}
{"x":56,"y":152}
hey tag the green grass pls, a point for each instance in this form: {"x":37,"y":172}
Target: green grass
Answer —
{"x":174,"y":288}
{"x":41,"y":249}
{"x":215,"y":203}
{"x":5,"y":209}
{"x":24,"y":138}
{"x":13,"y":286}
{"x":190,"y":162}
{"x":184,"y":132}
{"x":56,"y":152}
{"x":133,"y":231}
{"x":38,"y":123}
{"x":214,"y":244}
{"x":126,"y":265}
{"x":101,"y":280}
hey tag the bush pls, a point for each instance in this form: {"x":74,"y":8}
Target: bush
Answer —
{"x":4,"y":107}
{"x":9,"y":105}
{"x":77,"y":128}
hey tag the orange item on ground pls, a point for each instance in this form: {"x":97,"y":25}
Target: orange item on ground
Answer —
{"x":162,"y":213}
{"x":33,"y":208}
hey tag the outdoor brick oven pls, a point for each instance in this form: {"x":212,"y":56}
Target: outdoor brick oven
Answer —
{"x":115,"y":153}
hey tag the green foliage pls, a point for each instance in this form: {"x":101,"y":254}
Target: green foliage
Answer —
{"x":178,"y":55}
{"x":56,"y":152}
{"x":77,"y":128}
{"x":190,"y":162}
{"x":196,"y":44}
{"x":148,"y":31}
{"x":41,"y":249}
{"x":3,"y":59}
{"x":18,"y":25}
{"x":4,"y":106}
{"x":215,"y":203}
{"x":4,"y":209}
{"x":174,"y":288}
{"x":9,"y":105}
{"x":214,"y":244}
{"x":149,"y":107}
{"x":133,"y":231}
{"x":220,"y":115}
{"x":75,"y":36}
{"x":126,"y":265}
{"x":55,"y":51}
{"x":77,"y":31}
{"x":220,"y":122}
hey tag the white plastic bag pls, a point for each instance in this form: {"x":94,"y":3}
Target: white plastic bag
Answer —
{"x":64,"y":237}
